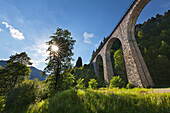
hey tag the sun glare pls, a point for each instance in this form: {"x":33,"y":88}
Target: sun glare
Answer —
{"x":55,"y":48}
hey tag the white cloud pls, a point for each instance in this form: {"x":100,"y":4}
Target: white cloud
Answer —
{"x":40,"y":47}
{"x":38,"y":53}
{"x":87,"y":36}
{"x":4,"y":59}
{"x":0,"y":29}
{"x":15,"y":33}
{"x":37,"y":62}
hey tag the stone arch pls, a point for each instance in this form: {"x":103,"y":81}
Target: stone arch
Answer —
{"x":134,"y":14}
{"x":109,"y":45}
{"x":99,"y":67}
{"x":142,"y":68}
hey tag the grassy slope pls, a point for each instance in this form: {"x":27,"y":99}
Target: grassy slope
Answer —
{"x":104,"y":101}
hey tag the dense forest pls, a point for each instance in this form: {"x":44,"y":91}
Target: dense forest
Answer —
{"x":153,"y":38}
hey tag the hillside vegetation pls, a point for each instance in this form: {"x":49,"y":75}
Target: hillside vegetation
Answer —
{"x":153,"y":38}
{"x":101,"y":101}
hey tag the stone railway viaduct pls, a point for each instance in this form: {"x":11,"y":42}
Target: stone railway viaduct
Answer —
{"x":136,"y":68}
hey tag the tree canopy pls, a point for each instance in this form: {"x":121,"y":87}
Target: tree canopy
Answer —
{"x":60,"y":55}
{"x":79,"y":62}
{"x":16,"y":71}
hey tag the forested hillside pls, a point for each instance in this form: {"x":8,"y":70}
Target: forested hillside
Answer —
{"x":153,"y":39}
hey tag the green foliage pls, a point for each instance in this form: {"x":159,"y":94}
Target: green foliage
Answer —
{"x":140,"y":34}
{"x":165,"y":49}
{"x":130,"y":85}
{"x":25,"y":93}
{"x":65,"y":81}
{"x":107,"y":101}
{"x":15,"y":72}
{"x":22,"y":58}
{"x":116,"y":81}
{"x":119,"y":65}
{"x":68,"y":81}
{"x":87,"y":72}
{"x":5,"y":82}
{"x":80,"y":83}
{"x":60,"y":60}
{"x":21,"y":96}
{"x":155,"y":47}
{"x":117,"y":59}
{"x":62,"y":102}
{"x":93,"y":84}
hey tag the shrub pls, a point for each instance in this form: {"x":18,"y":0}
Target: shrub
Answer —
{"x":116,"y":81}
{"x":80,"y":83}
{"x":20,"y":96}
{"x":85,"y":72}
{"x":93,"y":84}
{"x":25,"y":93}
{"x":68,"y":81}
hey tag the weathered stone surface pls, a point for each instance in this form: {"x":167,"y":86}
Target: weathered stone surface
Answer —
{"x":136,"y":68}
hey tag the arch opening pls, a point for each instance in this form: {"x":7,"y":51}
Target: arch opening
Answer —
{"x":100,"y":67}
{"x":115,"y":52}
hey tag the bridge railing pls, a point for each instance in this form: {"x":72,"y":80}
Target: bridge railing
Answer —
{"x":132,"y":3}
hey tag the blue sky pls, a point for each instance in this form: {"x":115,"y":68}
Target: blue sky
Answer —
{"x":25,"y":25}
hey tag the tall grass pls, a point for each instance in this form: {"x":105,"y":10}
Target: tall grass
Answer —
{"x":104,"y":101}
{"x":62,"y":102}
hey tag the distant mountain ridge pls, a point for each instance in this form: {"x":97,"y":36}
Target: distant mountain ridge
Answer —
{"x":35,"y":73}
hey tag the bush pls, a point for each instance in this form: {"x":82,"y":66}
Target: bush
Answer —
{"x":68,"y":81}
{"x":93,"y":84}
{"x":85,"y":72}
{"x":20,"y":96}
{"x":80,"y":83}
{"x":116,"y":81}
{"x":25,"y":93}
